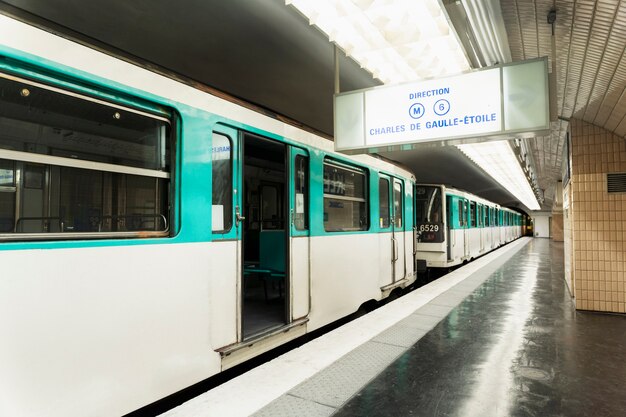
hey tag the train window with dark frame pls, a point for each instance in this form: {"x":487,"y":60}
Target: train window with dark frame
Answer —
{"x":429,"y":214}
{"x":462,"y":213}
{"x":301,"y":182}
{"x":383,"y":203}
{"x":398,"y":204}
{"x":78,"y":166}
{"x":472,"y":214}
{"x":345,"y":198}
{"x":222,"y":182}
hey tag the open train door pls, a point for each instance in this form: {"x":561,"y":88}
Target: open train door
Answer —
{"x":299,"y":238}
{"x":399,"y":252}
{"x":392,"y":267}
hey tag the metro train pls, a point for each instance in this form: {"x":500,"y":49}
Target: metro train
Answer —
{"x":454,"y":227}
{"x":153,"y":235}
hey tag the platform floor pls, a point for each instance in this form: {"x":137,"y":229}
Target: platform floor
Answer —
{"x":499,"y":337}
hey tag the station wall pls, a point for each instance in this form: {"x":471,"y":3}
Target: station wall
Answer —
{"x":541,"y":222}
{"x":595,"y":220}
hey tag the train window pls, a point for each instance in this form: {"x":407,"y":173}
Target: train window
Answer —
{"x":486,"y":214}
{"x":397,"y":204}
{"x":73,"y":164}
{"x":345,"y":198}
{"x":272,"y":211}
{"x":383,"y":205}
{"x":472,"y":214}
{"x":222,"y":172}
{"x":462,"y":213}
{"x":7,"y":196}
{"x":301,"y":214}
{"x":428,"y":205}
{"x":428,"y":214}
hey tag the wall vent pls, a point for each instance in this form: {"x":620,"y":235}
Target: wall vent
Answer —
{"x":616,"y":183}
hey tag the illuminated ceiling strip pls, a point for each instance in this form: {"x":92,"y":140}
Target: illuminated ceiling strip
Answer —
{"x":397,"y":41}
{"x":407,"y":40}
{"x":499,"y":161}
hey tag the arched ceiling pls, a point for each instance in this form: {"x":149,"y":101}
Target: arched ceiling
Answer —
{"x":590,"y":45}
{"x":267,"y":54}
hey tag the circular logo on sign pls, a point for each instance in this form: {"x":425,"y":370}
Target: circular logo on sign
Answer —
{"x":441,"y":107}
{"x":416,"y":110}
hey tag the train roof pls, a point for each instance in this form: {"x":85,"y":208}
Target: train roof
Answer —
{"x":465,"y":194}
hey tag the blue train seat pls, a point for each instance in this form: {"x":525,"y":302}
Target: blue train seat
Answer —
{"x":271,"y":265}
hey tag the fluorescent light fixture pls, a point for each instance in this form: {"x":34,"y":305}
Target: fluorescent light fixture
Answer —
{"x":499,"y":161}
{"x":396,"y":40}
{"x":487,"y":23}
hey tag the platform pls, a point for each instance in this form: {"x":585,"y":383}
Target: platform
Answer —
{"x":497,"y":337}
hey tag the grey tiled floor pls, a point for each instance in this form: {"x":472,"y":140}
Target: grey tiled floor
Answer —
{"x":514,"y":347}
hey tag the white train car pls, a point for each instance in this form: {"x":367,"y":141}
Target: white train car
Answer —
{"x":153,"y":235}
{"x":454,"y":227}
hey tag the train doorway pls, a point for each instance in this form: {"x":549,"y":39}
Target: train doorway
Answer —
{"x":265,"y":236}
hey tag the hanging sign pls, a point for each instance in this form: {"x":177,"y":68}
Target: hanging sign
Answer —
{"x":498,"y":102}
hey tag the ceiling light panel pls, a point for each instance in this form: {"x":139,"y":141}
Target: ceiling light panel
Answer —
{"x":499,"y":161}
{"x":396,"y":40}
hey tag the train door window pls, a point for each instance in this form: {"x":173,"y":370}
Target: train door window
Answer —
{"x":76,"y":164}
{"x":472,"y":214}
{"x":479,"y":215}
{"x":271,"y":207}
{"x":222,"y":172}
{"x":486,"y":216}
{"x":428,"y":214}
{"x":301,"y":183}
{"x":383,"y":205}
{"x":345,"y":198}
{"x":397,"y":204}
{"x":463,"y":213}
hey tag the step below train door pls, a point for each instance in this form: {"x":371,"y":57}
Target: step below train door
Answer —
{"x":299,"y":239}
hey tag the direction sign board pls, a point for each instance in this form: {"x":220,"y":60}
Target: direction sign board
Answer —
{"x":500,"y":102}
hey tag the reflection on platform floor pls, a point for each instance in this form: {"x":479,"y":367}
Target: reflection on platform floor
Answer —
{"x":515,"y":347}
